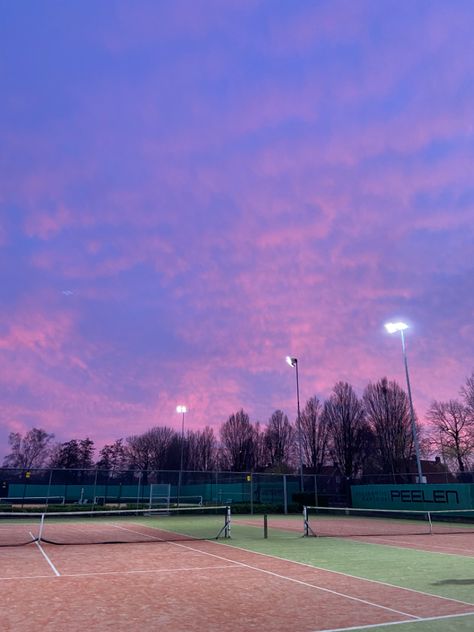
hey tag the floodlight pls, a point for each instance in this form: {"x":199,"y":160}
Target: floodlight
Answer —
{"x":394,"y":327}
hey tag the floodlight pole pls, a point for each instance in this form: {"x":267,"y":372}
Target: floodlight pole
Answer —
{"x":412,"y":411}
{"x":181,"y":409}
{"x":393,"y":328}
{"x":294,"y":363}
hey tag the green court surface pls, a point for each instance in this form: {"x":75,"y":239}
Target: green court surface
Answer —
{"x":453,"y":624}
{"x":427,"y":571}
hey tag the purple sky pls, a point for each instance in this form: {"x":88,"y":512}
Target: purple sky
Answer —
{"x":192,"y":189}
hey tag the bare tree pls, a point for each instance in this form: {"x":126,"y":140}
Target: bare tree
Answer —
{"x":467,"y":393}
{"x":278,"y":441}
{"x":349,"y":433}
{"x":388,"y":413}
{"x":314,"y":434}
{"x":453,"y":425}
{"x":113,"y":457}
{"x":202,"y":450}
{"x":28,"y":451}
{"x":149,"y":450}
{"x":240,"y":441}
{"x":73,"y":454}
{"x":261,"y":460}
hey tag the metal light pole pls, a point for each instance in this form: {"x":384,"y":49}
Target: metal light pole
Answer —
{"x":293,"y":362}
{"x":183,"y":410}
{"x":443,"y":456}
{"x":393,"y":328}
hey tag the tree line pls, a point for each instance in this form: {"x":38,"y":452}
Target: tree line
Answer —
{"x":371,"y":434}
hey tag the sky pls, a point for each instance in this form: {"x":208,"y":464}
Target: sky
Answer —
{"x":190,"y":190}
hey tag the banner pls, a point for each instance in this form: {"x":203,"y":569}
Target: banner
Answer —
{"x":424,"y":497}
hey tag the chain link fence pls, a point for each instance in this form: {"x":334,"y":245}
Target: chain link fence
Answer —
{"x":248,"y":491}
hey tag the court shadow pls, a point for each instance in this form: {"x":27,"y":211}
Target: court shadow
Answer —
{"x":460,"y":582}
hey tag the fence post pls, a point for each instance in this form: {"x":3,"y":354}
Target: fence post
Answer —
{"x":251,"y":493}
{"x":285,"y":496}
{"x":49,"y":488}
{"x":95,"y":490}
{"x":138,"y":488}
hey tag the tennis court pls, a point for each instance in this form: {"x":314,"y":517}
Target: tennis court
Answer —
{"x":169,"y":576}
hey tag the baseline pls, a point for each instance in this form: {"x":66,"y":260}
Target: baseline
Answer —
{"x":425,"y":547}
{"x":377,"y":625}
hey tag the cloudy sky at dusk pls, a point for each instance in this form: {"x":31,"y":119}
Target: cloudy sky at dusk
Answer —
{"x":192,"y":189}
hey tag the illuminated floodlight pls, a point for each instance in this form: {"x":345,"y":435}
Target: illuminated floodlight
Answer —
{"x":293,"y":362}
{"x":394,"y":327}
{"x":181,"y":409}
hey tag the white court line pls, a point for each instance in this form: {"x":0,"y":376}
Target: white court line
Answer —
{"x":155,"y":570}
{"x":413,"y":546}
{"x":55,"y":570}
{"x":380,"y":625}
{"x":145,"y":535}
{"x":132,"y":572}
{"x":404,"y":548}
{"x":22,"y":577}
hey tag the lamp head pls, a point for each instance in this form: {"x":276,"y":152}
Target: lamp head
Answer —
{"x":394,"y":327}
{"x":291,"y":361}
{"x":181,"y":409}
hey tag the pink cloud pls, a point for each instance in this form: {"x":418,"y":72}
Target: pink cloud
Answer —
{"x":48,"y":223}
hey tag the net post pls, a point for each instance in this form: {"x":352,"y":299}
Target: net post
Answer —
{"x":226,"y":527}
{"x":227,"y":522}
{"x":308,"y":531}
{"x":265,"y":526}
{"x":40,"y":533}
{"x":430,"y":523}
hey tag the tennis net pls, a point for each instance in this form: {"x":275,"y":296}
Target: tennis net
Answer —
{"x":115,"y":526}
{"x":351,"y":522}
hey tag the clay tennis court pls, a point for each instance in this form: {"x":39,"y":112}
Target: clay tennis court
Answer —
{"x":196,"y":585}
{"x":451,"y":541}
